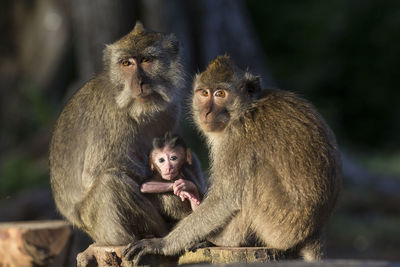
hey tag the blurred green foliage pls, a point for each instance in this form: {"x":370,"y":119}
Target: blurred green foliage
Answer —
{"x":342,"y":55}
{"x":365,"y":224}
{"x":39,"y":108}
{"x":20,"y":172}
{"x":21,"y":168}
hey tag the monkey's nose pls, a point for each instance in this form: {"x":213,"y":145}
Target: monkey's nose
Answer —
{"x":141,"y":83}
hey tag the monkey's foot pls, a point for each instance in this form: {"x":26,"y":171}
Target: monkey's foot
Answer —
{"x":203,"y":244}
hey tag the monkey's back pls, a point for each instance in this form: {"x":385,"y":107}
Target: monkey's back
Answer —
{"x":287,"y":161}
{"x":83,"y":142}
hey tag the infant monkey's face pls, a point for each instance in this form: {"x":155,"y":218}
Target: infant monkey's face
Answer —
{"x":168,"y":161}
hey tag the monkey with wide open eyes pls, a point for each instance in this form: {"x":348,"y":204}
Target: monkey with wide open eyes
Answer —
{"x":177,"y":182}
{"x":98,"y":152}
{"x":275,"y":173}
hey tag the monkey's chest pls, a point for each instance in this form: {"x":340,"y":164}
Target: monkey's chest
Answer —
{"x":170,"y":206}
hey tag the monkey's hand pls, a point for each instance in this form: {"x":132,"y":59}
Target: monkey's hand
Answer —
{"x":191,"y":197}
{"x":185,"y":185}
{"x":136,"y":250}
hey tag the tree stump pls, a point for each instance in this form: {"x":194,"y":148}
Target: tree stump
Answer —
{"x":108,"y":256}
{"x":233,"y":255}
{"x":34,"y":243}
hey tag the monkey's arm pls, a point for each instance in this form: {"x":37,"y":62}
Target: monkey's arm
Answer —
{"x":156,"y":187}
{"x":210,"y":216}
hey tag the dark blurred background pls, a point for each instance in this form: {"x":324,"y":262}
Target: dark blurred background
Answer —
{"x":343,"y":55}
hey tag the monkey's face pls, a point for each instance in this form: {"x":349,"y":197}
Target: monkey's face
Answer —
{"x":144,"y":66}
{"x":168,"y":161}
{"x":221,"y":93}
{"x":211,"y":104}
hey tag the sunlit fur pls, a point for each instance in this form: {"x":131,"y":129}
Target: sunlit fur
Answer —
{"x":223,"y":73}
{"x":98,"y":152}
{"x":166,"y":73}
{"x":275,"y":172}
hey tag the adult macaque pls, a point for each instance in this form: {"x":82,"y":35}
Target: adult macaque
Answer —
{"x":101,"y":139}
{"x":275,"y":174}
{"x":171,"y":163}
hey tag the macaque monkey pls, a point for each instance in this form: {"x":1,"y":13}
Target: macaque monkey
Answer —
{"x":275,"y":169}
{"x":98,"y":152}
{"x":168,"y":159}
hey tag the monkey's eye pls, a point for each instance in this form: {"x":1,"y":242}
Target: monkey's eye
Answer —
{"x":161,"y":160}
{"x":173,"y":158}
{"x":204,"y":93}
{"x":220,"y":93}
{"x":125,"y":63}
{"x":145,"y":59}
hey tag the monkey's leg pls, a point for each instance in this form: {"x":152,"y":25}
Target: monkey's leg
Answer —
{"x":235,"y":233}
{"x":116,"y":213}
{"x":283,"y":231}
{"x":314,"y":248}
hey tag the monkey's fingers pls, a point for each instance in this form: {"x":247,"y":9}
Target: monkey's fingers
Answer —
{"x":178,"y":188}
{"x":138,"y":257}
{"x":190,"y":197}
{"x":134,"y":250}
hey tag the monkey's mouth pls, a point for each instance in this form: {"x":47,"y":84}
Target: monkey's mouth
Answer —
{"x":212,"y":126}
{"x":170,"y":176}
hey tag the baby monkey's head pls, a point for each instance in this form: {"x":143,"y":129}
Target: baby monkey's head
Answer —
{"x":168,"y":155}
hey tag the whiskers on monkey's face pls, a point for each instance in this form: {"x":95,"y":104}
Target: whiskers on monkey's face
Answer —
{"x":148,"y":71}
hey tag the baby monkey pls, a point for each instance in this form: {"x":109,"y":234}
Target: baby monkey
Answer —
{"x":168,"y":158}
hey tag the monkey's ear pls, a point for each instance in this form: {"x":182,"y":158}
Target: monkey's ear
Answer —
{"x":139,"y":28}
{"x":171,"y":43}
{"x":152,"y":166}
{"x":252,"y":83}
{"x":188,"y":156}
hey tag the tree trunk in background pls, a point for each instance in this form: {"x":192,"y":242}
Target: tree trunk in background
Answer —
{"x":96,"y":23}
{"x":226,"y":28}
{"x":205,"y":29}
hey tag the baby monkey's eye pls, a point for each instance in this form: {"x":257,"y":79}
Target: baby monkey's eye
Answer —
{"x":173,"y":158}
{"x":161,"y":160}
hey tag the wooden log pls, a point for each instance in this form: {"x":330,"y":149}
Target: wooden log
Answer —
{"x":108,"y":256}
{"x":233,"y":255}
{"x":34,"y":243}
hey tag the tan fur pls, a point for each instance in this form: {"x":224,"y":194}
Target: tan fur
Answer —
{"x":275,"y":171}
{"x":98,"y":153}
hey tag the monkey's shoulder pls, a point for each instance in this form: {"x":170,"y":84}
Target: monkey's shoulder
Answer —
{"x":281,"y":99}
{"x":280,"y":105}
{"x":96,"y":89}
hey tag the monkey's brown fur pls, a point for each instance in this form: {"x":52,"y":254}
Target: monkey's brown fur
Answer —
{"x":98,"y":153}
{"x":275,"y":170}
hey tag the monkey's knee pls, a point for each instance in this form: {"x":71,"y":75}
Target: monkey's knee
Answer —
{"x":236,"y":233}
{"x":117,"y":213}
